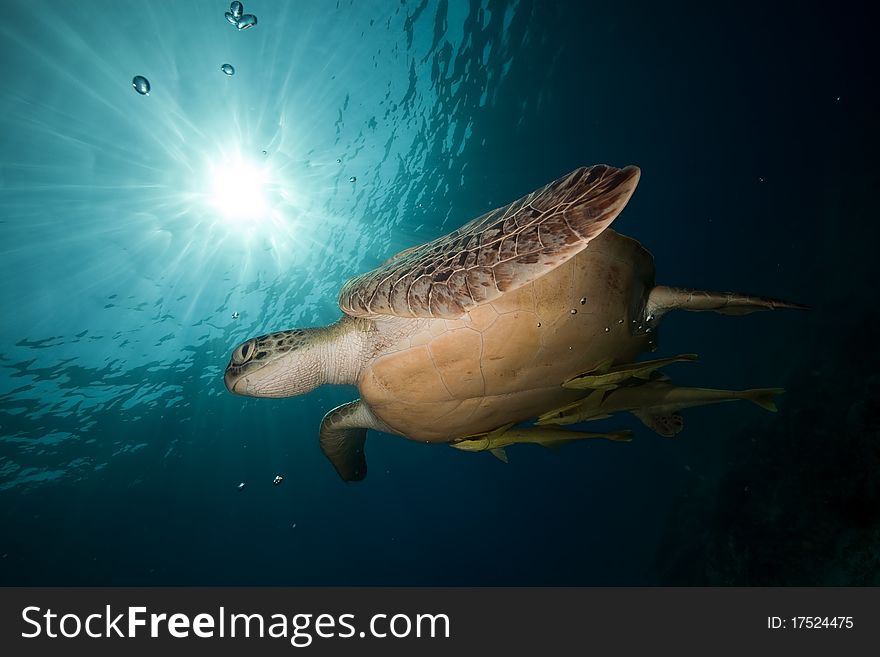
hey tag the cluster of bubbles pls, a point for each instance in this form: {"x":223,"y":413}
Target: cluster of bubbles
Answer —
{"x":620,"y":321}
{"x":242,"y":21}
{"x":574,"y":310}
{"x":277,"y":480}
{"x":238,"y":18}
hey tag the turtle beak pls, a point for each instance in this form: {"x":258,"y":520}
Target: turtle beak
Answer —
{"x":231,"y":381}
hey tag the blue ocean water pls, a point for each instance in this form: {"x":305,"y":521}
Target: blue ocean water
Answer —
{"x":143,"y":236}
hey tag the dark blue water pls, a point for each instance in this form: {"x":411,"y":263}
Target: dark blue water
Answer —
{"x":133,"y":227}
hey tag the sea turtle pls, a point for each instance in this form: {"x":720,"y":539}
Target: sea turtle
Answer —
{"x":481,"y":328}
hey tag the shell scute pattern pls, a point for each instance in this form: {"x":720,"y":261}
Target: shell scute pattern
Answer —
{"x":498,"y":252}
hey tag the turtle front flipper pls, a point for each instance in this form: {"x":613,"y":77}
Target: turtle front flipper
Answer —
{"x":343,"y":435}
{"x":499,"y":252}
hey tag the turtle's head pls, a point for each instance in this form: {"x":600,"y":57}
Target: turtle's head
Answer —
{"x":280,"y":364}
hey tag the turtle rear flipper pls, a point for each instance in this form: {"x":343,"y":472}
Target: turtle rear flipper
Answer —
{"x":662,"y":299}
{"x":666,"y":424}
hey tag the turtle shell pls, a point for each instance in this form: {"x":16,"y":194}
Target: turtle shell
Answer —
{"x":505,"y":360}
{"x":496,"y":253}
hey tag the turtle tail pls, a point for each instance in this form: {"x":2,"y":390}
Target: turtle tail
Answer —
{"x":662,"y":299}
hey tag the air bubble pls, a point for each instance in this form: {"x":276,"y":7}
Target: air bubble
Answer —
{"x":228,"y":69}
{"x":246,"y":21}
{"x":141,"y":85}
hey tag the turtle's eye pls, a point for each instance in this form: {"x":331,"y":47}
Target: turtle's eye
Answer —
{"x":243,"y":353}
